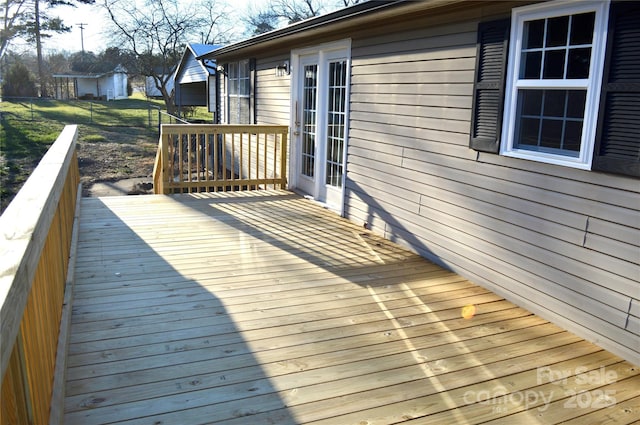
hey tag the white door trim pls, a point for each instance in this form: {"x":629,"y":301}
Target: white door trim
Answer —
{"x":324,"y":51}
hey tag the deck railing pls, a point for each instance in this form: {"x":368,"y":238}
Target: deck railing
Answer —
{"x":35,"y":243}
{"x":212,"y":158}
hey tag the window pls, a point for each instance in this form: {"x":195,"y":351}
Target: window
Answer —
{"x":239,"y":92}
{"x":551,"y":100}
{"x":571,"y":91}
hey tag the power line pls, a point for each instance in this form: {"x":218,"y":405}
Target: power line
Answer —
{"x":81,"y":25}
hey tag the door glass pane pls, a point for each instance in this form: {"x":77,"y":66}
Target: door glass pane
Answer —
{"x":309,"y":92}
{"x":336,"y":115}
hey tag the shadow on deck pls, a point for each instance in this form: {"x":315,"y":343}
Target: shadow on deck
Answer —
{"x":263,"y":308}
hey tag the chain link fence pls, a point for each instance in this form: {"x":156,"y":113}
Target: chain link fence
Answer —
{"x":120,"y":113}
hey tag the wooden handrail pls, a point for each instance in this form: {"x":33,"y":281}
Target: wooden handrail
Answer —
{"x":35,"y":241}
{"x":210,"y":158}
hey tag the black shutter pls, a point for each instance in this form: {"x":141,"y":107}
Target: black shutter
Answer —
{"x":617,"y":148}
{"x":488,"y":90}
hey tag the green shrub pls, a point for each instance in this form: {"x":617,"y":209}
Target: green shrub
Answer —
{"x":19,"y":82}
{"x":93,"y":138}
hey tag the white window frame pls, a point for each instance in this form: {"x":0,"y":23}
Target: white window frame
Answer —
{"x":238,"y":80}
{"x":592,"y":84}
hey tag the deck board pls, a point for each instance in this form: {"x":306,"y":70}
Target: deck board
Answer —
{"x":262,"y":308}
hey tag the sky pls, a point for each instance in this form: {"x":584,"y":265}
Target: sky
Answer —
{"x":96,"y":21}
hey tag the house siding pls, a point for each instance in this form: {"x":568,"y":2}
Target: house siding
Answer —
{"x":271,"y":96}
{"x":192,"y":72}
{"x":561,"y":242}
{"x":191,"y":83}
{"x":272,"y":101}
{"x":272,"y":92}
{"x":87,"y":86}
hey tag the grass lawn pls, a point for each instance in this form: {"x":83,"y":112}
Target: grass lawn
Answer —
{"x":117,"y":139}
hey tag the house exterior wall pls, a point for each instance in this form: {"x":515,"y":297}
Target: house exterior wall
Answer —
{"x":191,"y":94}
{"x":561,"y":242}
{"x":558,"y":241}
{"x":87,"y":86}
{"x":152,"y":91}
{"x":191,"y":72}
{"x":273,"y":93}
{"x":113,"y":86}
{"x":272,"y":97}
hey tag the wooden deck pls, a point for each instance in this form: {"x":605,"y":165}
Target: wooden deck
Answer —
{"x":264,"y":308}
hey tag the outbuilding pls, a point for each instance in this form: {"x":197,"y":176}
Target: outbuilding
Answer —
{"x":194,"y":79}
{"x":110,"y":85}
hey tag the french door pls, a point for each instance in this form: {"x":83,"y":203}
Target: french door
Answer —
{"x":320,"y":126}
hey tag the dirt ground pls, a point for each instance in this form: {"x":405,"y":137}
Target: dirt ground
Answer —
{"x":109,"y":157}
{"x":113,"y":154}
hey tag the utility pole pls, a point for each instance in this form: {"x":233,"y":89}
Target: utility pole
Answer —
{"x":81,"y":25}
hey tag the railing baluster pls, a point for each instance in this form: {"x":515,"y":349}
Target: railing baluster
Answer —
{"x":225,"y":167}
{"x":198,"y":154}
{"x":241,"y":173}
{"x":249,"y":163}
{"x":275,"y":158}
{"x":233,"y":159}
{"x":170,"y":158}
{"x":216,"y":160}
{"x":257,"y":158}
{"x":180,"y":149}
{"x":206,"y":157}
{"x":283,"y":159}
{"x":266,"y":160}
{"x":189,"y":155}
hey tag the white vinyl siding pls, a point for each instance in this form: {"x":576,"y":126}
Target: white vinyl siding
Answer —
{"x":559,"y":241}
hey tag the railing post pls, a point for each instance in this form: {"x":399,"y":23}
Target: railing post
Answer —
{"x":166,"y":178}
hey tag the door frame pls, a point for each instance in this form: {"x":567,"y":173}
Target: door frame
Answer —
{"x":296,"y":88}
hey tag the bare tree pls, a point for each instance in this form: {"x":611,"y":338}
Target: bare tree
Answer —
{"x":218,"y":26}
{"x":156,"y":34}
{"x":278,"y":12}
{"x":296,"y":10}
{"x":14,"y":16}
{"x":260,"y":21}
{"x":28,"y":19}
